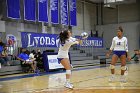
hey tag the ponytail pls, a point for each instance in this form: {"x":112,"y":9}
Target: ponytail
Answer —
{"x":120,"y":28}
{"x":63,"y":36}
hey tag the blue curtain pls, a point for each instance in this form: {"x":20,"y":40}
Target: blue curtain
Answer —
{"x":43,"y":10}
{"x":73,"y":11}
{"x":13,"y":9}
{"x":54,"y":11}
{"x":64,"y":12}
{"x":30,"y":10}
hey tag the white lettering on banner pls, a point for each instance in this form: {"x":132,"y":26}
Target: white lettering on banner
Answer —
{"x":53,"y":6}
{"x":72,"y":5}
{"x":92,"y":43}
{"x":53,"y":41}
{"x":41,"y":1}
{"x":63,"y":12}
{"x":100,"y":43}
{"x":48,"y":41}
{"x":36,"y":40}
{"x":40,"y":41}
{"x":29,"y":41}
{"x":53,"y":62}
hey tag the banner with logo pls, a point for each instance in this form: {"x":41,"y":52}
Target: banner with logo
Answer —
{"x":91,"y":42}
{"x":38,"y":39}
{"x":53,"y":62}
{"x":43,"y":10}
{"x":12,"y":43}
{"x":13,"y":9}
{"x":64,"y":12}
{"x":54,"y":11}
{"x":72,"y":9}
{"x":30,"y":39}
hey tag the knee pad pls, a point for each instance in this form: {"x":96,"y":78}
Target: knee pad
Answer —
{"x":123,"y":67}
{"x":112,"y":66}
{"x":68,"y":72}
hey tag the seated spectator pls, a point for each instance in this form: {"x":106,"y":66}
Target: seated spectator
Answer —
{"x":39,"y":59}
{"x":32,"y":55}
{"x":1,"y":45}
{"x":136,"y":56}
{"x":38,"y":55}
{"x":4,"y":56}
{"x":24,"y":57}
{"x":1,"y":49}
{"x":0,"y":65}
{"x":2,"y":61}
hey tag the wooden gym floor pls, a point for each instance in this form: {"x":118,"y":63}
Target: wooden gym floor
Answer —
{"x":85,"y":80}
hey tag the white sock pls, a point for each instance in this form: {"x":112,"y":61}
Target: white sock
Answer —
{"x":67,"y":80}
{"x":113,"y":75}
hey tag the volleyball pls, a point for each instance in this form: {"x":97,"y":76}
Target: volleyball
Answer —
{"x":84,"y":35}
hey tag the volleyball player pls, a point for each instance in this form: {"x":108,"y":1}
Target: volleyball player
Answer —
{"x":65,"y":42}
{"x":120,"y":50}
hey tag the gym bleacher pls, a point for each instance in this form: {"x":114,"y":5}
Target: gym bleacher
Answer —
{"x":80,"y":57}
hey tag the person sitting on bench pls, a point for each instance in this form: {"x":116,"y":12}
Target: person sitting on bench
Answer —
{"x":24,"y":57}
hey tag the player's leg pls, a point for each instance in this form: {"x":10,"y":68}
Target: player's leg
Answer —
{"x":65,"y":62}
{"x":123,"y":68}
{"x":31,"y":64}
{"x":112,"y":67}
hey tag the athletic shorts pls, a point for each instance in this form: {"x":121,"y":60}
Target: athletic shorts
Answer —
{"x":59,"y":60}
{"x":119,"y":53}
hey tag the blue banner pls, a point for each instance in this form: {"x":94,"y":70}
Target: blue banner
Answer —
{"x":94,"y":42}
{"x":72,"y":9}
{"x":30,"y":10}
{"x":43,"y":10}
{"x":54,"y":11}
{"x":64,"y":12}
{"x":13,"y":9}
{"x":91,"y":42}
{"x":38,"y":39}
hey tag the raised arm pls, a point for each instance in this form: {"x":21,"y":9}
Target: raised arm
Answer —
{"x":75,"y":41}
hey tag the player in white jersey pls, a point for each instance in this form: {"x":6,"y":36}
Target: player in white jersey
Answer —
{"x":120,"y":50}
{"x":66,"y":41}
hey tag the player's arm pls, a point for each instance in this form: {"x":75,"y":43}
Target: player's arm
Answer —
{"x":75,"y":41}
{"x":128,"y":57}
{"x":79,"y":41}
{"x":111,"y":48}
{"x":126,"y":48}
{"x":133,"y":56}
{"x":19,"y":58}
{"x":109,"y":52}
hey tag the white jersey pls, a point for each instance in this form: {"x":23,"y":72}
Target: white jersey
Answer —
{"x":64,"y":49}
{"x":119,"y":44}
{"x":31,"y":55}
